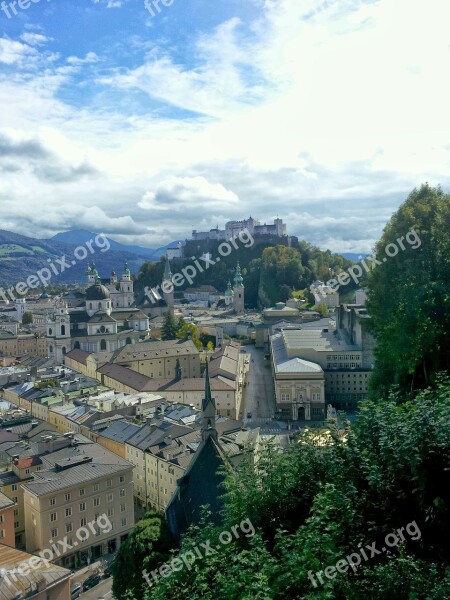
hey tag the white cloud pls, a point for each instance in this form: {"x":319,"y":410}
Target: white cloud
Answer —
{"x":326,"y":114}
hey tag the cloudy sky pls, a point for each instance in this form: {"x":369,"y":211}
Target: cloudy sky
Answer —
{"x":323,"y":112}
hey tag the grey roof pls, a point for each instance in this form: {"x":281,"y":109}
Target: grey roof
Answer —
{"x":5,"y":502}
{"x":316,"y":339}
{"x":8,"y":478}
{"x":120,"y":431}
{"x":285,"y":364}
{"x":19,"y":586}
{"x":103,"y":463}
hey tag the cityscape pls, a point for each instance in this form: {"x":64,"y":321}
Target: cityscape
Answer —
{"x":224,"y":307}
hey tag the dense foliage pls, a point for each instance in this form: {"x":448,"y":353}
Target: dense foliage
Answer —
{"x":409,"y":295}
{"x":146,"y":547}
{"x":325,"y":498}
{"x":270,"y":271}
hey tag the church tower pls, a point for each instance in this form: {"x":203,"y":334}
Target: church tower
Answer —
{"x":208,"y":411}
{"x":58,"y":333}
{"x":238,"y":289}
{"x":229,"y":295}
{"x":126,"y":289}
{"x":167,"y":284}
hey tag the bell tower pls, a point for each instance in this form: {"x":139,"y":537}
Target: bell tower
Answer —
{"x":238,"y":290}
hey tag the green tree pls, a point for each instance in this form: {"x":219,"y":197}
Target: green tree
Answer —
{"x":322,"y":309}
{"x":169,"y":327}
{"x":27,"y":318}
{"x":190,"y":331}
{"x":146,"y":548}
{"x":409,"y":297}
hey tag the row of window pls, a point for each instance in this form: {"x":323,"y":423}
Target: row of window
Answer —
{"x":95,"y":488}
{"x":335,"y":357}
{"x":82,"y":505}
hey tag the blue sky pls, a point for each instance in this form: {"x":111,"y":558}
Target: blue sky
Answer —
{"x":326,"y":113}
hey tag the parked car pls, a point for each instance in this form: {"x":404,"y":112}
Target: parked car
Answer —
{"x":108,"y":571}
{"x":91,"y":581}
{"x":75,"y":591}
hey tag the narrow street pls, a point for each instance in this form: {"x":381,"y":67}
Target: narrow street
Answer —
{"x":258,"y":397}
{"x":100,"y":591}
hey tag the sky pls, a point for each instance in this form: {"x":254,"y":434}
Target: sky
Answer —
{"x":146,"y":124}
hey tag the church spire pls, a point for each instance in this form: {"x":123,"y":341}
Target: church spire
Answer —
{"x":167,"y":271}
{"x":238,"y":280}
{"x":208,"y":410}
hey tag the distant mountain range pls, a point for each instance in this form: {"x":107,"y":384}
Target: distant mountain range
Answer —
{"x":21,"y":256}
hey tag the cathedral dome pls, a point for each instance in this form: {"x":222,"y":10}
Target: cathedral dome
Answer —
{"x":97,"y":292}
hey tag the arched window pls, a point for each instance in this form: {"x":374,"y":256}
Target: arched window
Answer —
{"x":77,"y":345}
{"x":102,"y":329}
{"x":129,"y":340}
{"x":64,"y":350}
{"x":50,"y":332}
{"x":99,"y":304}
{"x":63,"y":330}
{"x":90,"y":304}
{"x":51,"y":348}
{"x":103,"y":345}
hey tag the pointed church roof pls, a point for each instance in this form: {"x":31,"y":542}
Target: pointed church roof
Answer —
{"x":167,"y":271}
{"x":208,"y":399}
{"x":229,"y":291}
{"x":238,"y":281}
{"x":126,"y":270}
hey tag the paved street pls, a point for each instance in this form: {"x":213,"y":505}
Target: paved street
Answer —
{"x":258,"y":397}
{"x":102,"y":590}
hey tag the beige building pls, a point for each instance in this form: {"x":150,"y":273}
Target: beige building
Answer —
{"x":22,"y":470}
{"x":22,"y":345}
{"x":7,"y":537}
{"x":84,"y":494}
{"x":162,"y":454}
{"x":26,"y":576}
{"x":299,"y":384}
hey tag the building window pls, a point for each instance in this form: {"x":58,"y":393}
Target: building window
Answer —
{"x":82,"y":491}
{"x":95,"y":487}
{"x":96,"y":501}
{"x":82,"y":506}
{"x":109,"y":483}
{"x":123,"y":507}
{"x":83,"y":522}
{"x":122,"y":493}
{"x":124,"y":522}
{"x":16,"y":525}
{"x":110,"y":512}
{"x":67,"y":497}
{"x":53,"y":517}
{"x":285,"y":397}
{"x":54,"y":533}
{"x":69,"y":527}
{"x":68,"y":511}
{"x":121,"y":479}
{"x":14,"y":487}
{"x":109,"y":497}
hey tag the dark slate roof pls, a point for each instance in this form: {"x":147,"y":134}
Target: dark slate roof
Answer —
{"x":120,"y":431}
{"x":200,"y":485}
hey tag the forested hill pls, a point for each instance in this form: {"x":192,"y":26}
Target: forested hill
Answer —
{"x":270,"y":271}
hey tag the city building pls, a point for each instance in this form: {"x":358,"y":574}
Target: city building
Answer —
{"x":324,"y":294}
{"x":25,"y":576}
{"x":83,"y":494}
{"x":7,"y":536}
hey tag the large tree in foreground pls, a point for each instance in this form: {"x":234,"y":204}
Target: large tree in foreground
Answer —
{"x":409,"y":293}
